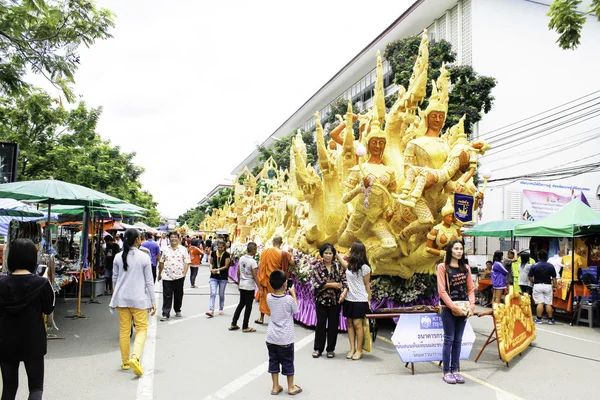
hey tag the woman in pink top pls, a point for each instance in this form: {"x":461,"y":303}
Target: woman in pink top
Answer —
{"x":457,"y":295}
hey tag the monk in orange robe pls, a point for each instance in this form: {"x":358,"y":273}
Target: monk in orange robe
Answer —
{"x":271,"y":259}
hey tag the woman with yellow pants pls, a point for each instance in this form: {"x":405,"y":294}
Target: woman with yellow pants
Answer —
{"x":133,"y":296}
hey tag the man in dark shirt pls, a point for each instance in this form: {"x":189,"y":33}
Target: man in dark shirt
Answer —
{"x":154,"y":249}
{"x":112,"y":248}
{"x":543,"y":276}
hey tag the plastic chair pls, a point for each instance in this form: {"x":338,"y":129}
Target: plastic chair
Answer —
{"x":590,"y":316}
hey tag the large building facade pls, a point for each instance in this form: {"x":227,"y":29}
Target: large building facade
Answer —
{"x":545,"y":123}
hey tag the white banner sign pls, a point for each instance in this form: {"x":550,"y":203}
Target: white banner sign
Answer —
{"x":538,"y":205}
{"x":420,"y":337}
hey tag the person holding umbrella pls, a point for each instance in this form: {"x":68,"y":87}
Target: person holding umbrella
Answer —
{"x":133,"y":297}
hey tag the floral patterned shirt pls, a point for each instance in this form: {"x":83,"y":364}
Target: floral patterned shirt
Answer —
{"x":174,"y":261}
{"x":320,"y":276}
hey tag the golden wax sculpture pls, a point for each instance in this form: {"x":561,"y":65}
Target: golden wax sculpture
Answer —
{"x":391,"y":189}
{"x":515,"y":328}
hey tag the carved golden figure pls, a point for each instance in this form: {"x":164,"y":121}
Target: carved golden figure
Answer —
{"x":351,"y":193}
{"x":371,"y":184}
{"x":444,"y":232}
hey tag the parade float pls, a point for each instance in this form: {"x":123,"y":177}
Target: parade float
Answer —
{"x":400,"y":184}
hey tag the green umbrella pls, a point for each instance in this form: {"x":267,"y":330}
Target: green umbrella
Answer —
{"x":14,"y":208}
{"x":51,"y":191}
{"x":566,"y":222}
{"x":503,"y":228}
{"x":108,"y":211}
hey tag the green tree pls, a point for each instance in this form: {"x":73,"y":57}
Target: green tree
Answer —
{"x":64,"y":144}
{"x":193,"y":217}
{"x":281,"y":151}
{"x":568,"y":22}
{"x":43,"y":36}
{"x":471,"y":94}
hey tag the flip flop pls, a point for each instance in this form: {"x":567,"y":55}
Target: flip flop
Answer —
{"x":248,"y":330}
{"x":234,"y":328}
{"x":299,"y":390}
{"x":275,"y":393}
{"x":258,"y":321}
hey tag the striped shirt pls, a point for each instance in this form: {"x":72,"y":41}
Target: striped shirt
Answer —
{"x":281,"y":325}
{"x":356,"y":284}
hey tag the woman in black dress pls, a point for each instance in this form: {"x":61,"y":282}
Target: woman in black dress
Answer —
{"x":24,"y":296}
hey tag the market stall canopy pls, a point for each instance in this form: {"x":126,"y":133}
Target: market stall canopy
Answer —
{"x":13,"y":209}
{"x":591,"y":227}
{"x":52,"y":191}
{"x":108,"y":226}
{"x":143,"y":226}
{"x":109,"y":210}
{"x":503,"y":228}
{"x":566,"y":222}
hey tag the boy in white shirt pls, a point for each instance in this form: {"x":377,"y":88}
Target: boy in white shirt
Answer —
{"x":247,"y":280}
{"x":280,"y":333}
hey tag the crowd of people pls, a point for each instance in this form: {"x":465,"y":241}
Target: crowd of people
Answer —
{"x":133,"y":263}
{"x":538,"y":281}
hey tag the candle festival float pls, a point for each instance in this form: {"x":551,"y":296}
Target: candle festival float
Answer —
{"x":399,"y":185}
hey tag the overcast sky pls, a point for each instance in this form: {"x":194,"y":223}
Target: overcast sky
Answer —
{"x":192,"y":85}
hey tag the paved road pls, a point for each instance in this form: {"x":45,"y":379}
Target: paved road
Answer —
{"x":198,"y":358}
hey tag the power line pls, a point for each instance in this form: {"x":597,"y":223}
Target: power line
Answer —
{"x":502,"y":147}
{"x":552,"y":173}
{"x":558,"y":122}
{"x":541,"y":113}
{"x":561,"y":147}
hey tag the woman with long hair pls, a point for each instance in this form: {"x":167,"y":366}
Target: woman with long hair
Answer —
{"x":24,"y":296}
{"x":356,"y":297}
{"x":133,"y":297}
{"x":457,"y":296}
{"x":219,"y":276}
{"x":499,"y":273}
{"x":328,"y":281}
{"x":524,"y":268}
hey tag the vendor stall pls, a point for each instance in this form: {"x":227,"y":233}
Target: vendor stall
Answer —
{"x":571,"y":221}
{"x":53,"y":192}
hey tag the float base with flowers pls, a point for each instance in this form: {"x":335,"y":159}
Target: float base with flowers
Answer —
{"x":387,"y":291}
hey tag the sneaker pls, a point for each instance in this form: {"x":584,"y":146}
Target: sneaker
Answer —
{"x":125,"y":366}
{"x":165,"y":318}
{"x":449,"y":378}
{"x":137,"y":367}
{"x":178,"y":314}
{"x":551,"y":321}
{"x":537,"y":320}
{"x":459,"y":378}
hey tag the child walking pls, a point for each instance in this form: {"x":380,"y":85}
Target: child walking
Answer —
{"x":280,"y":333}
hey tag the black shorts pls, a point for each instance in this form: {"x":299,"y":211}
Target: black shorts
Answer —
{"x":355,"y":310}
{"x":281,"y":355}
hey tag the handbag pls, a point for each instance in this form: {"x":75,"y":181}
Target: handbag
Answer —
{"x":463,"y":305}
